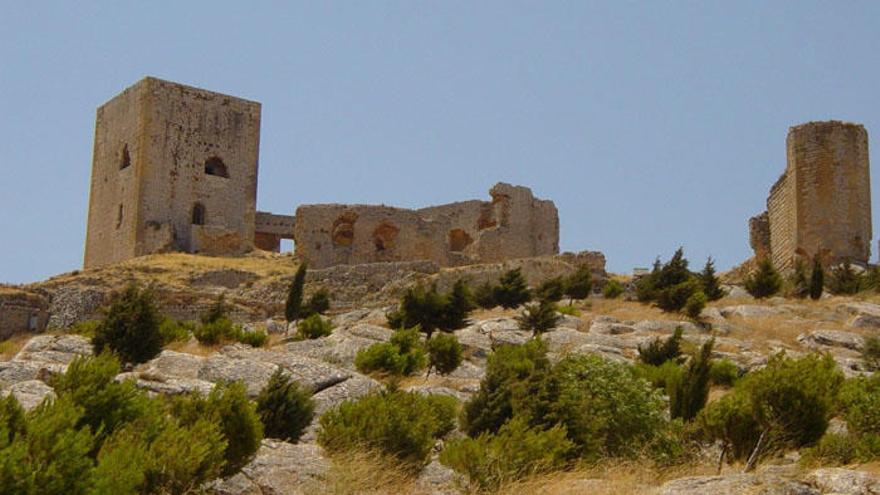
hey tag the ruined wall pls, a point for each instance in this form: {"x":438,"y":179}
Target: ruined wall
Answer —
{"x":190,"y":182}
{"x":270,"y":229}
{"x":513,"y":225}
{"x":21,"y":311}
{"x":822,"y":203}
{"x":759,"y":235}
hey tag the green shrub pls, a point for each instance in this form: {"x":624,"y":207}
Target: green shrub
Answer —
{"x":657,"y":352}
{"x":731,"y":421}
{"x":832,"y":448}
{"x":319,"y":303}
{"x":444,"y":353}
{"x":709,"y":282}
{"x":430,"y":310}
{"x":403,"y":355}
{"x":85,"y":328}
{"x":625,"y":415}
{"x":612,"y":289}
{"x":130,"y":329}
{"x":89,"y":383}
{"x":121,"y":464}
{"x":313,"y":327}
{"x":256,"y":338}
{"x":445,"y":410}
{"x":798,"y":285}
{"x":579,"y":284}
{"x":689,"y":392}
{"x":859,"y":402}
{"x":401,"y":424}
{"x":175,"y":331}
{"x":676,"y":297}
{"x":695,"y":304}
{"x":183,"y":457}
{"x":215,"y":332}
{"x":515,"y":452}
{"x":538,"y":317}
{"x":765,"y":282}
{"x":669,"y":285}
{"x":661,"y":377}
{"x":216,"y":312}
{"x":509,"y":371}
{"x":871,"y":352}
{"x":817,"y":280}
{"x":228,"y":407}
{"x":484,"y":296}
{"x":284,"y":408}
{"x":293,"y":305}
{"x":512,"y":290}
{"x":844,"y":280}
{"x":568,"y":310}
{"x":723,"y":372}
{"x":551,"y":290}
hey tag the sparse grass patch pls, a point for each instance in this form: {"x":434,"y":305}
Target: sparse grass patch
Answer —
{"x":364,"y":472}
{"x":11,"y":346}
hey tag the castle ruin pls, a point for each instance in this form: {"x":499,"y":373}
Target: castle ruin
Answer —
{"x":175,"y":169}
{"x":821,"y":206}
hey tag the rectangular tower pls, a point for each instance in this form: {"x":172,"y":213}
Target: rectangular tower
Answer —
{"x":174,"y":169}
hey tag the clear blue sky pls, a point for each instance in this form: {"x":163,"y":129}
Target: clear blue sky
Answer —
{"x":651,"y":125}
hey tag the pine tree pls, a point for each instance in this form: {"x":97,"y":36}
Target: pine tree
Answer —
{"x":580,"y":283}
{"x":765,"y":282}
{"x":711,"y":285}
{"x":689,"y":393}
{"x":551,"y":290}
{"x":293,"y":308}
{"x":131,"y":327}
{"x":512,"y":289}
{"x":459,"y":304}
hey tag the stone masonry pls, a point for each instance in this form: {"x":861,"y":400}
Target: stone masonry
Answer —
{"x":821,"y":206}
{"x":174,"y":168}
{"x":514,"y":224}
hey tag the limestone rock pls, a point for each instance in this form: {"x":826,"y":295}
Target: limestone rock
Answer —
{"x":310,"y":373}
{"x":437,"y":390}
{"x":221,"y":368}
{"x":29,"y":393}
{"x":58,"y":349}
{"x":831,"y":338}
{"x":12,"y":372}
{"x":844,"y":481}
{"x":353,"y":388}
{"x":735,"y":484}
{"x":438,"y":479}
{"x":665,"y":326}
{"x":172,"y":363}
{"x":166,"y":385}
{"x":610,"y":328}
{"x":569,"y":321}
{"x":279,"y":468}
{"x":751,"y":311}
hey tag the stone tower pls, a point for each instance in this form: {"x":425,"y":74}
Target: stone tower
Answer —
{"x":822,"y":203}
{"x":174,"y":169}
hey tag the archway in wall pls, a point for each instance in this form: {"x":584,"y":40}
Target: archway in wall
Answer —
{"x":215,"y":166}
{"x":385,"y":237}
{"x":459,"y":240}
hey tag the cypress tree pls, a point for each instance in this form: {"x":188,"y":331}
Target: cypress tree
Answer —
{"x":689,"y":394}
{"x":293,"y":308}
{"x":711,"y":285}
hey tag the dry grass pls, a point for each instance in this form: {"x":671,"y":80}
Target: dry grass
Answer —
{"x":192,"y":346}
{"x":624,"y":310}
{"x":355,"y":473}
{"x":611,"y":478}
{"x":10,"y":347}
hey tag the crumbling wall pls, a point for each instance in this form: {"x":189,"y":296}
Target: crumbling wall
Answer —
{"x":821,"y":206}
{"x":513,"y":225}
{"x":270,"y":229}
{"x":21,"y":311}
{"x":759,"y":235}
{"x":167,"y":157}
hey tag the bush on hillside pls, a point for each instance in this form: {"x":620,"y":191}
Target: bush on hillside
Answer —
{"x":512,"y":290}
{"x":403,"y":355}
{"x":710,"y":285}
{"x":293,"y":306}
{"x":817,"y":280}
{"x":484,"y":296}
{"x":222,"y":330}
{"x":551,"y":290}
{"x":217,"y":311}
{"x":285,"y":409}
{"x":669,"y":285}
{"x":444,"y":353}
{"x":730,"y":420}
{"x":612,"y":289}
{"x":509,"y":370}
{"x":515,"y":452}
{"x":798,"y":284}
{"x":579,"y":284}
{"x":538,"y":317}
{"x":765,"y":282}
{"x":661,"y":377}
{"x":313,"y":327}
{"x":695,"y":304}
{"x":689,"y":393}
{"x":175,"y":331}
{"x":130,"y":328}
{"x":723,"y":372}
{"x":844,"y":280}
{"x":871,"y":352}
{"x":430,"y":310}
{"x":401,"y":424}
{"x":319,"y":303}
{"x":228,"y":407}
{"x":657,"y":351}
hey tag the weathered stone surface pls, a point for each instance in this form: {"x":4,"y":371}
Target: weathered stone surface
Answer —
{"x":172,"y":363}
{"x":610,"y":328}
{"x":564,"y":339}
{"x":831,"y":338}
{"x":437,"y":390}
{"x":437,"y":479}
{"x":57,"y":349}
{"x":18,"y":371}
{"x":735,"y":484}
{"x":844,"y":481}
{"x":568,"y":321}
{"x":29,"y":393}
{"x":751,"y":311}
{"x":310,"y":373}
{"x":166,"y":384}
{"x":221,"y":368}
{"x":353,"y":388}
{"x":22,"y":311}
{"x":279,"y":468}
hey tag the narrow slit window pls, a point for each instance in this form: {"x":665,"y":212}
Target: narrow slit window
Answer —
{"x":125,"y":159}
{"x":198,"y":214}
